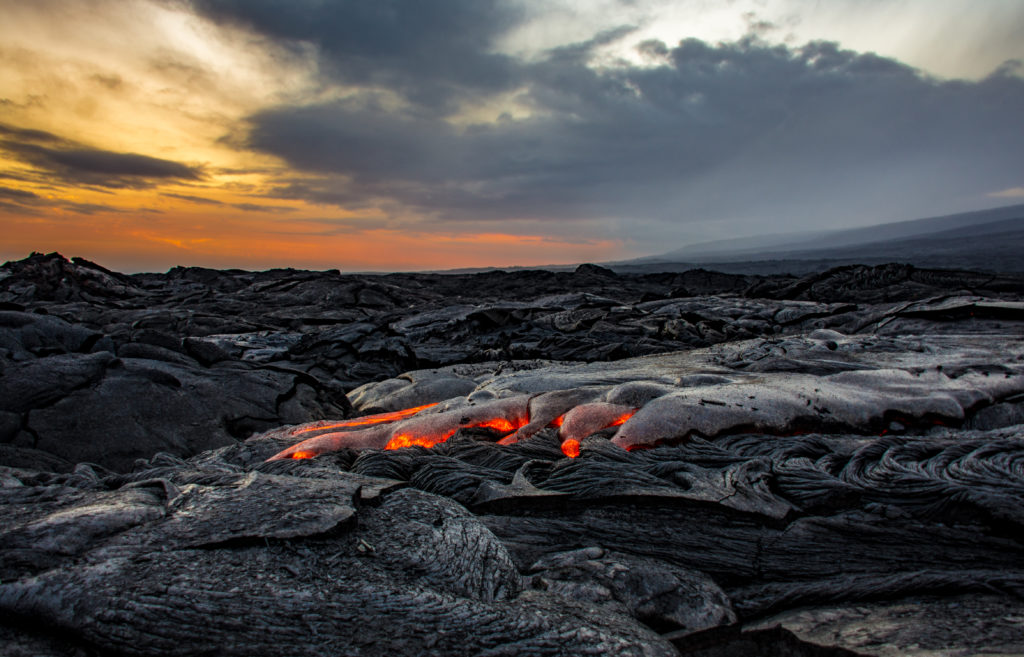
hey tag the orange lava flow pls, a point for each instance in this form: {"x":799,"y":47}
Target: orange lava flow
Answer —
{"x":499,"y":424}
{"x":622,"y":418}
{"x":571,"y":448}
{"x":378,"y":418}
{"x":505,"y":418}
{"x":408,"y":440}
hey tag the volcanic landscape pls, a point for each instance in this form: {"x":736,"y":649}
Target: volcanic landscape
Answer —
{"x":510,"y":463}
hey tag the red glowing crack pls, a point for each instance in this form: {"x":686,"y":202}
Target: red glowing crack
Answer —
{"x":421,"y":426}
{"x":379,"y":418}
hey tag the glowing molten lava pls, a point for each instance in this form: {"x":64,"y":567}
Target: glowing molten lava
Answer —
{"x":587,"y":419}
{"x":406,"y":440}
{"x":412,"y":427}
{"x":366,"y":420}
{"x":622,"y":418}
{"x":499,"y":424}
{"x":502,"y":425}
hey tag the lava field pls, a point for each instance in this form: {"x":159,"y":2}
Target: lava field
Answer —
{"x":510,"y":463}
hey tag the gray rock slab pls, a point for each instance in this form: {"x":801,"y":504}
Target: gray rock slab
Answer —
{"x":916,"y":626}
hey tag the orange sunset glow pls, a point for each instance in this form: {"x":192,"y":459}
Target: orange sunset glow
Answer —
{"x":213,"y":222}
{"x":257,"y":243}
{"x":121,"y":143}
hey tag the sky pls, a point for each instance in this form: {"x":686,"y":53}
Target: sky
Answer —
{"x":395,"y":135}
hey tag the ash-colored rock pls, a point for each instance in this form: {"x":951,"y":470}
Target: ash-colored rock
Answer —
{"x":668,"y":598}
{"x":237,"y":566}
{"x":916,"y":626}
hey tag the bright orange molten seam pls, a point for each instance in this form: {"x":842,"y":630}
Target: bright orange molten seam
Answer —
{"x":499,"y":424}
{"x":622,"y":419}
{"x":407,"y":440}
{"x":504,"y":426}
{"x":378,"y":418}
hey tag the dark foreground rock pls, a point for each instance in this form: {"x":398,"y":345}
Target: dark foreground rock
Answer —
{"x":724,"y":541}
{"x":625,"y":554}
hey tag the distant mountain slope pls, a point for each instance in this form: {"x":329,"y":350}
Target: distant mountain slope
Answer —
{"x":971,"y":247}
{"x":990,"y":221}
{"x":991,"y":240}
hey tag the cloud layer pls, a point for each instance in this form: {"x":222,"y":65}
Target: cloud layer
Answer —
{"x":70,"y":162}
{"x":740,"y":136}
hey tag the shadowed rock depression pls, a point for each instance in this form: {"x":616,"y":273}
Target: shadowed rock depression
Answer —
{"x":529,"y":463}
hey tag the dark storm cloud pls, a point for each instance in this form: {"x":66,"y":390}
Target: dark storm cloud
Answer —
{"x":99,"y":167}
{"x":26,"y":202}
{"x":26,"y":135}
{"x":99,"y":208}
{"x":74,"y":163}
{"x":254,"y":207}
{"x":194,"y":199}
{"x":17,"y":194}
{"x":712,"y":131}
{"x":431,"y":52}
{"x":724,"y":128}
{"x":247,"y":207}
